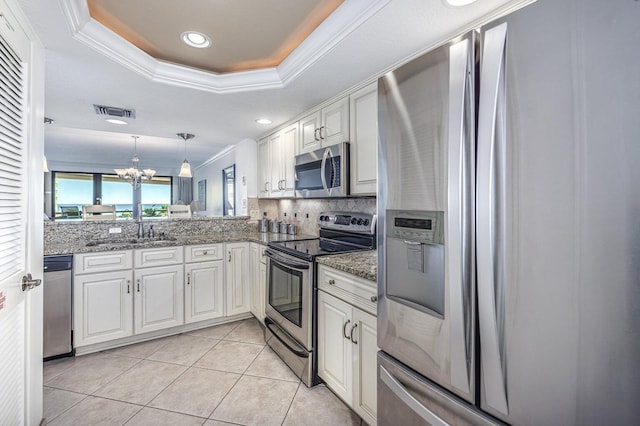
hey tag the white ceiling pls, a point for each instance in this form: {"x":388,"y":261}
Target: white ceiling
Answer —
{"x":77,"y":76}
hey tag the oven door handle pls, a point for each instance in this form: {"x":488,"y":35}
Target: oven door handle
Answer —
{"x":268,"y":322}
{"x":286,"y":262}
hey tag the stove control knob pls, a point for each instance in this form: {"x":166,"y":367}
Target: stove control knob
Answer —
{"x":366,"y":222}
{"x":354,"y":221}
{"x":360,"y":221}
{"x":323,"y":218}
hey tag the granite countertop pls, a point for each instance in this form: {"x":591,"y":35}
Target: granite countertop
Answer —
{"x":363,"y":264}
{"x":121,"y":243}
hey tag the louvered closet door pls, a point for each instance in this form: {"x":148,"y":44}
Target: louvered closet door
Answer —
{"x":16,"y":372}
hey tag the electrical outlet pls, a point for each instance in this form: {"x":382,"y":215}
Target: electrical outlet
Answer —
{"x":115,"y":230}
{"x":255,"y":214}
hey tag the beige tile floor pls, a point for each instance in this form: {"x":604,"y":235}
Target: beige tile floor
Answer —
{"x":215,"y":376}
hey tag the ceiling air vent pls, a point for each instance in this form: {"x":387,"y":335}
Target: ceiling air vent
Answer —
{"x":114,"y":111}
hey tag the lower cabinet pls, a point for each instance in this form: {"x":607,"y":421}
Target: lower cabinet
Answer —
{"x":237,"y":271}
{"x":258,"y":280}
{"x":203,"y":291}
{"x":102,"y":307}
{"x":347,"y":348}
{"x":158,"y":298}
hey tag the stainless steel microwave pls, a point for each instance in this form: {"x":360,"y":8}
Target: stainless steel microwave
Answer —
{"x":323,"y":173}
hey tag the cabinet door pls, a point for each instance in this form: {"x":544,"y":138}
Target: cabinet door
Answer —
{"x":364,"y":367}
{"x":203,"y":291}
{"x":335,"y":123}
{"x":103,"y":307}
{"x":335,"y":359}
{"x":275,"y":148}
{"x":309,"y":137}
{"x":257,"y":282}
{"x":364,"y":140}
{"x":288,"y":160}
{"x":237,"y":280}
{"x":159,"y":301}
{"x":264,"y":168}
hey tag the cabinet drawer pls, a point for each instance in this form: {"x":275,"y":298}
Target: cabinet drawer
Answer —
{"x":202,"y":253}
{"x":86,"y":263}
{"x":157,"y":256}
{"x":357,"y":291}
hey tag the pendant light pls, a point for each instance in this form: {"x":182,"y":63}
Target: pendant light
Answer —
{"x":132,"y":174}
{"x":185,"y":169}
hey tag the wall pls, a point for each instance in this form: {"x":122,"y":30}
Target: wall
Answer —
{"x":244,"y":156}
{"x":296,"y":211}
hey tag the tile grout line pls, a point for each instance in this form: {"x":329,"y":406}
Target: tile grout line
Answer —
{"x":291,"y":403}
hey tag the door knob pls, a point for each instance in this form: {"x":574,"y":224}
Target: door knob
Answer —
{"x":28,"y":282}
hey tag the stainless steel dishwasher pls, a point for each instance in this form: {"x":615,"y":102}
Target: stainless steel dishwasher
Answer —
{"x":57,"y":306}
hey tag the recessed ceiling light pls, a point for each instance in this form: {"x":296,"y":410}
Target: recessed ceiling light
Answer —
{"x":196,"y":39}
{"x":458,"y":2}
{"x":263,"y":121}
{"x":114,"y":121}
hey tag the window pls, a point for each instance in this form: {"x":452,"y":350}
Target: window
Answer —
{"x":229,"y":191}
{"x":74,"y":190}
{"x":156,"y":197}
{"x":71,"y":192}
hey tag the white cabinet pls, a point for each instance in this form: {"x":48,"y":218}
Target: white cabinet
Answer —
{"x":237,"y":279}
{"x":158,"y":298}
{"x":103,"y":306}
{"x":264,"y":168}
{"x":204,"y":282}
{"x":325,"y":127}
{"x":276,"y":162}
{"x":347,"y":340}
{"x":258,"y":280}
{"x":363,"y":132}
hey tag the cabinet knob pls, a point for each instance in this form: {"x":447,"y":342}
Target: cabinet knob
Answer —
{"x":332,"y":282}
{"x":374,"y":299}
{"x":205,"y":253}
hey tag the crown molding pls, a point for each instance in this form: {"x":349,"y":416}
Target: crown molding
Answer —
{"x":349,"y":16}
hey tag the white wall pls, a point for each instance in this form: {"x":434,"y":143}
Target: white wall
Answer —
{"x":244,"y":156}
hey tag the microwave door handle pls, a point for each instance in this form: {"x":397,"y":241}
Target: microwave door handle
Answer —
{"x":323,"y":166}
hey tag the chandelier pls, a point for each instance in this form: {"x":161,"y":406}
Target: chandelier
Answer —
{"x":132,"y":174}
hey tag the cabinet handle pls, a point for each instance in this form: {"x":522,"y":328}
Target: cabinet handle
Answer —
{"x":374,"y":299}
{"x":188,"y":278}
{"x":128,"y":286}
{"x":351,"y":334}
{"x":344,"y":329}
{"x":138,"y":283}
{"x":332,"y":282}
{"x":315,"y":135}
{"x":229,"y":256}
{"x":320,"y":132}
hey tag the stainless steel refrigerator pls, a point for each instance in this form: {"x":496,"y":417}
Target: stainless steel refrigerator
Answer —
{"x":509,"y":223}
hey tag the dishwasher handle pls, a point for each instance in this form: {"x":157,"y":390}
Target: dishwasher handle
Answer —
{"x":58,"y":263}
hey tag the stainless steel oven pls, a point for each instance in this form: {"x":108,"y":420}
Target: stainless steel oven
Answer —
{"x":289,"y":311}
{"x":290,"y":328}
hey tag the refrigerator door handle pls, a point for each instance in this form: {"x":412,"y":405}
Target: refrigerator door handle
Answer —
{"x":490,"y":144}
{"x":401,"y":392}
{"x":460,"y":207}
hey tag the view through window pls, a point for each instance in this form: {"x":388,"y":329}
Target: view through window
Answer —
{"x":74,"y":190}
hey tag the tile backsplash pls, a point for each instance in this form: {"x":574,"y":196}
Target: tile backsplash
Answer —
{"x":305,"y":213}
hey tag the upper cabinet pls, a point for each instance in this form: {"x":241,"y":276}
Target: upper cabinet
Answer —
{"x":276,"y":163}
{"x":353,"y":118}
{"x":363,"y":120}
{"x":325,"y":127}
